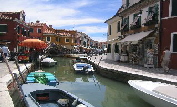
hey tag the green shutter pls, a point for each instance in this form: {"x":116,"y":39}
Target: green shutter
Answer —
{"x":174,"y":8}
{"x":3,"y":28}
{"x":175,"y":43}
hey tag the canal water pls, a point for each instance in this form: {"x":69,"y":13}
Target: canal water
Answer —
{"x":95,"y":89}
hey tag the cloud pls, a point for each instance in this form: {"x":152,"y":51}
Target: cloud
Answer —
{"x":92,"y":29}
{"x":57,"y":14}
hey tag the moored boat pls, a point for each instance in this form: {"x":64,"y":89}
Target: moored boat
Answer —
{"x":48,"y":62}
{"x":83,"y":68}
{"x":156,"y":93}
{"x":42,"y":77}
{"x":40,"y":95}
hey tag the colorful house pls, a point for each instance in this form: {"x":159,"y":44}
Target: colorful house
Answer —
{"x":168,"y":29}
{"x":13,"y":29}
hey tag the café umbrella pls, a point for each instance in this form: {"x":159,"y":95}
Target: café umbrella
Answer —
{"x":33,"y":43}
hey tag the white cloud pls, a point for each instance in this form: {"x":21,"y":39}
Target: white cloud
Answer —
{"x":99,"y":39}
{"x":92,"y":29}
{"x":56,"y":14}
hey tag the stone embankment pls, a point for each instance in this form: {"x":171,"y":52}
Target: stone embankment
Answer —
{"x":125,"y":71}
{"x":8,"y":90}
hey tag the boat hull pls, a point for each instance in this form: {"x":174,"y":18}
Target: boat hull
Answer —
{"x":51,"y":79}
{"x":40,"y":95}
{"x":48,"y":64}
{"x":152,"y":97}
{"x":83,"y":68}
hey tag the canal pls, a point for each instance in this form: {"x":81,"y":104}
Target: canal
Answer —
{"x":95,"y":89}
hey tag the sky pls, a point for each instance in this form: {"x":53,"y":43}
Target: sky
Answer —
{"x":87,"y":16}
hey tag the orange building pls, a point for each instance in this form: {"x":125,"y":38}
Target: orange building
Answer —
{"x":67,"y":38}
{"x":37,"y":29}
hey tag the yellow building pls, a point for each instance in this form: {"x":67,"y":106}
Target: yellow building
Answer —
{"x":114,"y":35}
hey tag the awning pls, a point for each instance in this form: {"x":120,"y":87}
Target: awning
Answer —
{"x":136,"y":37}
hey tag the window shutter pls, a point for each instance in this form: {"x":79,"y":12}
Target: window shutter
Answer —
{"x":174,"y":8}
{"x":175,"y":43}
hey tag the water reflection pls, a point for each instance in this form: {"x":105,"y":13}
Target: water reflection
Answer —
{"x":97,"y":90}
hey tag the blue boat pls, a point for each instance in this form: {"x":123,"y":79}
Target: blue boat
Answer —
{"x":83,"y":68}
{"x":42,"y":77}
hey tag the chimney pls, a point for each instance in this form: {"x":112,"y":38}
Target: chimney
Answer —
{"x":50,"y":26}
{"x":37,"y":21}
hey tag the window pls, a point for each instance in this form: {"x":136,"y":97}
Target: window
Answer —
{"x":22,"y":31}
{"x":67,"y":40}
{"x":127,"y":3}
{"x":118,"y":26}
{"x":31,"y":29}
{"x":109,"y":29}
{"x":174,"y":8}
{"x":3,"y":28}
{"x":125,"y":24}
{"x":109,"y":48}
{"x":48,"y":39}
{"x":39,"y":30}
{"x":57,"y":39}
{"x":174,"y":42}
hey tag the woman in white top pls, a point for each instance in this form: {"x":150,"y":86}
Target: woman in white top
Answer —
{"x":166,"y":56}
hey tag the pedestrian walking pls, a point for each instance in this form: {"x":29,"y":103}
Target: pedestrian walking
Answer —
{"x":165,"y":59}
{"x":5,"y":50}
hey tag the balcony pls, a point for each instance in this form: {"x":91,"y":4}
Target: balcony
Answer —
{"x":135,"y":26}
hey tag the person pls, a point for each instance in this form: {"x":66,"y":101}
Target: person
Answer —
{"x":165,"y":59}
{"x":5,"y":50}
{"x":1,"y":57}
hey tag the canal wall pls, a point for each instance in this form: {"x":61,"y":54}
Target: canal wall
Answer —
{"x":124,"y":72}
{"x":10,"y":95}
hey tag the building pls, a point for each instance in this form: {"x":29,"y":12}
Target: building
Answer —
{"x":37,"y":29}
{"x":168,"y":29}
{"x":138,"y":37}
{"x":114,"y":34}
{"x":13,"y":29}
{"x":67,"y":38}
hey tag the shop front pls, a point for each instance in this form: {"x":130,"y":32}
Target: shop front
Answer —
{"x":140,"y":49}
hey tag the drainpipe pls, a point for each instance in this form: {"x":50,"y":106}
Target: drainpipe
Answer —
{"x":160,"y":31}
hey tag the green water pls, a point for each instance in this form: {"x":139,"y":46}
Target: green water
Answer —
{"x":95,"y":89}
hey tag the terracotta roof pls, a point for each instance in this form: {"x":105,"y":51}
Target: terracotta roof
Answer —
{"x":48,"y":31}
{"x":64,"y":34}
{"x":36,"y":24}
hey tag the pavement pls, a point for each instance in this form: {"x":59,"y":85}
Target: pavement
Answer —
{"x":103,"y":62}
{"x":6,"y":79}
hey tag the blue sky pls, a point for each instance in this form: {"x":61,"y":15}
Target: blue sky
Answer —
{"x":86,"y":16}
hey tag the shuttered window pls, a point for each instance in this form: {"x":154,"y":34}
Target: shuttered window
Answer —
{"x":174,"y":43}
{"x":3,"y":28}
{"x":109,"y":29}
{"x":118,"y":26}
{"x":66,"y":40}
{"x":174,"y":8}
{"x":48,"y":39}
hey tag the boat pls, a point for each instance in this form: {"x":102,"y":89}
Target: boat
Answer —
{"x":48,"y":62}
{"x":40,"y":95}
{"x":83,"y":68}
{"x":156,"y":93}
{"x":42,"y":77}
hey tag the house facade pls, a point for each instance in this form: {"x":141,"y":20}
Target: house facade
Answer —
{"x":67,"y":37}
{"x":13,"y":29}
{"x":37,"y":29}
{"x":140,"y":31}
{"x":114,"y":32}
{"x":168,"y":29}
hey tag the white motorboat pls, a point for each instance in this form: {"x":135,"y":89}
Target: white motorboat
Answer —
{"x":83,"y":68}
{"x":48,"y":62}
{"x":156,"y":93}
